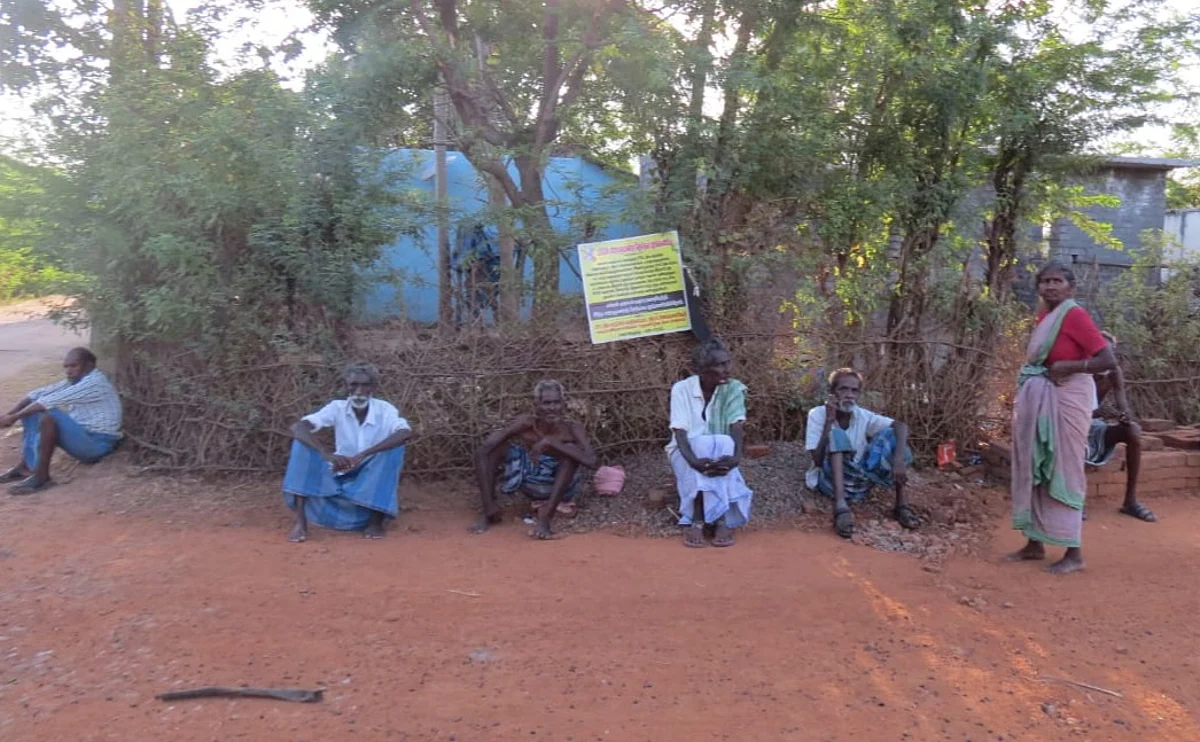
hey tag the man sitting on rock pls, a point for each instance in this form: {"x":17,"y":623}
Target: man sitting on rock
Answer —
{"x":854,"y":449}
{"x":542,"y":455}
{"x":80,"y":414}
{"x":1104,"y":435}
{"x":354,"y":486}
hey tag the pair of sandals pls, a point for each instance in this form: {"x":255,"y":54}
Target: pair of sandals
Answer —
{"x":843,"y":519}
{"x":694,"y":536}
{"x":27,"y":484}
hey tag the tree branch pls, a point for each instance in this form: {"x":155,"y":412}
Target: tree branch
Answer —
{"x":570,"y":75}
{"x":468,"y":105}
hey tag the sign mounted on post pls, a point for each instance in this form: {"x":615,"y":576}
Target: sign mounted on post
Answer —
{"x":633,"y":287}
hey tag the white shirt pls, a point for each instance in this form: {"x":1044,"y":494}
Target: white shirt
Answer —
{"x":689,"y":411}
{"x":864,"y":425}
{"x":92,"y":402}
{"x":350,"y":437}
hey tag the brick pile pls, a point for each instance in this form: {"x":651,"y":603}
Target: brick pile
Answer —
{"x":1170,"y":464}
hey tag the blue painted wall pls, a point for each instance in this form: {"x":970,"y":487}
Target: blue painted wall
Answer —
{"x":572,"y":185}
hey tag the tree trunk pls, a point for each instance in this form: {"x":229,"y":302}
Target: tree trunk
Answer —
{"x":510,"y":283}
{"x":544,"y":243}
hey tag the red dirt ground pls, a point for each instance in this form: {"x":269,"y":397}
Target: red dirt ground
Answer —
{"x":114,"y":588}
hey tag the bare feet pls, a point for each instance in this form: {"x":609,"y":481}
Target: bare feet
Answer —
{"x":541,"y":530}
{"x":1071,"y":562}
{"x":693,"y":536}
{"x":1033,"y":551}
{"x":485,"y":521}
{"x":723,"y":535}
{"x":299,"y":533}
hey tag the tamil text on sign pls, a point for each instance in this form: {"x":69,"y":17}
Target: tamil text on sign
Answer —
{"x":633,"y":287}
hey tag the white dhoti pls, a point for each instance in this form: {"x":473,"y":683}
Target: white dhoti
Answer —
{"x":723,"y":496}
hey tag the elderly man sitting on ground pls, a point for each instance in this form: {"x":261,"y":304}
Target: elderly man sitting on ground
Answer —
{"x":708,"y":412}
{"x":80,"y":414}
{"x":854,"y":449}
{"x":542,"y":455}
{"x":354,"y":486}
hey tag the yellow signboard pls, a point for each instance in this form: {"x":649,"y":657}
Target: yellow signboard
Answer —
{"x":633,"y":287}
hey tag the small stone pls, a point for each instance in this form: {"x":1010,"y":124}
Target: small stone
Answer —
{"x":1122,"y":650}
{"x":1050,"y":710}
{"x":1006,"y":604}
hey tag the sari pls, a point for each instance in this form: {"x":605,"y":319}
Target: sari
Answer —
{"x":1049,"y":442}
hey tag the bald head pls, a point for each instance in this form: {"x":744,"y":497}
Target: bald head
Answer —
{"x":79,"y":363}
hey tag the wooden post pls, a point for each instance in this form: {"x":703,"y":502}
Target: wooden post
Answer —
{"x":441,"y":110}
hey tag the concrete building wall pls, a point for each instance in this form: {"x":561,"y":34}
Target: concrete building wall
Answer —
{"x":1184,"y":226}
{"x":1142,"y":192}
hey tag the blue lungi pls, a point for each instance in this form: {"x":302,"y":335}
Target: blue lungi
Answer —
{"x":858,"y":478}
{"x":343,"y":501}
{"x":73,"y":438}
{"x":534,"y":479}
{"x":1098,"y":451}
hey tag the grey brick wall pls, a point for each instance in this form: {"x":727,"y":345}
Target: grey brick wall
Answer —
{"x":1143,"y":203}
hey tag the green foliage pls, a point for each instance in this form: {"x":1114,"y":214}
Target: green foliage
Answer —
{"x":1183,"y":186}
{"x":27,"y":267}
{"x":222,"y":216}
{"x":1154,"y":311}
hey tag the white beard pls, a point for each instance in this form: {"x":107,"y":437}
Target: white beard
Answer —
{"x":359,"y":403}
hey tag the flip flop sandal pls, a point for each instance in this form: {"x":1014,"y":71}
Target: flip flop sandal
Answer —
{"x":30,"y":486}
{"x":13,"y":475}
{"x":726,"y":540}
{"x":906,"y":516}
{"x":694,"y":543}
{"x":843,"y":522}
{"x":1141,"y":512}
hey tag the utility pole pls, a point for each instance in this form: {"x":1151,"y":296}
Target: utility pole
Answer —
{"x":441,"y":110}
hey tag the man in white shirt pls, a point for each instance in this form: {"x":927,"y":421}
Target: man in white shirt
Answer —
{"x":354,"y":486}
{"x":854,"y":449}
{"x":708,"y":413}
{"x":80,"y":414}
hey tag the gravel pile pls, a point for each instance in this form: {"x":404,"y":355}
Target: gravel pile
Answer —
{"x":957,"y":511}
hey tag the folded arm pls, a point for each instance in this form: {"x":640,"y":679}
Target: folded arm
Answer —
{"x":579,"y":450}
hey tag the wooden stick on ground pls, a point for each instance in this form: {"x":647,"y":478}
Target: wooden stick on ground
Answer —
{"x":1078,"y":684}
{"x":296,"y":695}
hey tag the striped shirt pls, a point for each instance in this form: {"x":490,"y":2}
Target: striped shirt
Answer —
{"x":92,"y":402}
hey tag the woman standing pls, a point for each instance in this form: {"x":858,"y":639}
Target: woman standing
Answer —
{"x":1051,"y":418}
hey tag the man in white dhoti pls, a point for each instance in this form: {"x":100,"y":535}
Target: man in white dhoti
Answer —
{"x":708,"y":410}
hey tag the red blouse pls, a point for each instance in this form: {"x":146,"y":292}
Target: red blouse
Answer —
{"x":1078,"y":338}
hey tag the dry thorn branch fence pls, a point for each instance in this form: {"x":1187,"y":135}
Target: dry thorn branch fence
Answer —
{"x":189,"y":413}
{"x":192,"y":413}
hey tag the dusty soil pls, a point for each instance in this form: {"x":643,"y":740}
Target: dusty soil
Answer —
{"x":115,"y":587}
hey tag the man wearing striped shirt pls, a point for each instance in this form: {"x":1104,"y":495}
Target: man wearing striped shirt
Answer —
{"x":80,"y":414}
